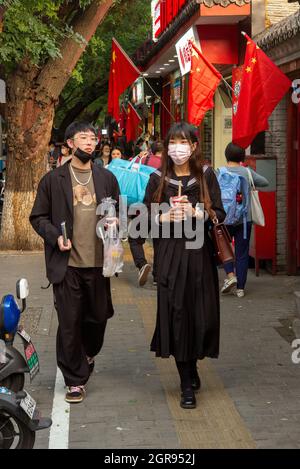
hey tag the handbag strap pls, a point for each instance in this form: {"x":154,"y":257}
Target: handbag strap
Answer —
{"x":134,"y":161}
{"x":251,"y":179}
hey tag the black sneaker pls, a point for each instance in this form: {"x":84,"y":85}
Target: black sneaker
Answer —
{"x":188,"y":399}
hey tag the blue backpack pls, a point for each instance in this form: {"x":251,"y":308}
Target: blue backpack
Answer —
{"x":235,"y":197}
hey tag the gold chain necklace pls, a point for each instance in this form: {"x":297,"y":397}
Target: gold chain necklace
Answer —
{"x":77,"y":180}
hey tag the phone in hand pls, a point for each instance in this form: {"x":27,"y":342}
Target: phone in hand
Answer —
{"x":64,"y":233}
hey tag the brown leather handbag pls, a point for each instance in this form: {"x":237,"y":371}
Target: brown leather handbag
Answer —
{"x":222,"y":242}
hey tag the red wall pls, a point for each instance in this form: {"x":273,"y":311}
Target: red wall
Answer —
{"x":220,"y":43}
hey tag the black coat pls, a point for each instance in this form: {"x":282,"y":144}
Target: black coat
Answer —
{"x":54,"y":204}
{"x":188,"y":309}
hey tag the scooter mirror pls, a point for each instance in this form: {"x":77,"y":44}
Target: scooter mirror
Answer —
{"x":22,"y":288}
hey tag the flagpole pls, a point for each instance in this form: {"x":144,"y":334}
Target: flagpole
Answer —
{"x":245,"y":35}
{"x":227,"y":84}
{"x":160,"y":100}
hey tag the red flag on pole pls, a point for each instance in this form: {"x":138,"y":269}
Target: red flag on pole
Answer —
{"x":262,"y":86}
{"x":204,"y":80}
{"x":122,"y":74}
{"x":132,"y":124}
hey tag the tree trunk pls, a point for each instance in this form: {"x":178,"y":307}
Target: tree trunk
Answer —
{"x":29,"y":124}
{"x":32,"y":96}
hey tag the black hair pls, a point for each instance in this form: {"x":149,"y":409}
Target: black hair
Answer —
{"x":117,"y":148}
{"x":235,"y":153}
{"x":77,"y":127}
{"x":186,"y":131}
{"x":157,"y":147}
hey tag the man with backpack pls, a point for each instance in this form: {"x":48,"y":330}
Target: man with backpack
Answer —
{"x":235,"y":190}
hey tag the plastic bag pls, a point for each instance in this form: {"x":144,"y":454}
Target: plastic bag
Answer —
{"x":112,"y":246}
{"x":112,"y":252}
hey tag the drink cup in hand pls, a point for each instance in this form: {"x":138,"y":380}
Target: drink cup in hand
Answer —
{"x":178,"y":202}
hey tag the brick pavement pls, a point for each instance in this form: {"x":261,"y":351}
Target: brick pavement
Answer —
{"x":250,"y":396}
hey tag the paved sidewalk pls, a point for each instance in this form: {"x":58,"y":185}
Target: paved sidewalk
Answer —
{"x":250,"y":396}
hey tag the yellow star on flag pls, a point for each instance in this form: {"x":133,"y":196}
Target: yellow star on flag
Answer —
{"x":114,"y":56}
{"x":198,"y":70}
{"x":253,"y":60}
{"x":248,"y":69}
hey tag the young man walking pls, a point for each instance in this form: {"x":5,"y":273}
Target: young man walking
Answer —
{"x":82,"y":295}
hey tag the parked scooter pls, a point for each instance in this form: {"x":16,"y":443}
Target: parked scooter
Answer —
{"x":19,"y":420}
{"x":19,"y":417}
{"x":14,"y":365}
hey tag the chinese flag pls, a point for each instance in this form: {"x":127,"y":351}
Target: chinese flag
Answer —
{"x":132,"y":124}
{"x":204,"y":80}
{"x":262,"y":86}
{"x":122,"y":74}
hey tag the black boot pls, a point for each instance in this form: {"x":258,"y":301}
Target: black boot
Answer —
{"x":188,"y":399}
{"x":196,"y":381}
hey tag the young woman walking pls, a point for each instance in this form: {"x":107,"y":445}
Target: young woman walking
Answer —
{"x":188,"y":310}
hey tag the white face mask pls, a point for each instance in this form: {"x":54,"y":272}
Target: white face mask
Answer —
{"x":179,"y":152}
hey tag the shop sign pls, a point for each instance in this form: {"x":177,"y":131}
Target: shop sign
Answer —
{"x":138,"y":92}
{"x":156,"y":19}
{"x":184,"y":49}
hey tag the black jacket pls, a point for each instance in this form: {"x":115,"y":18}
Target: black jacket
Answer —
{"x":54,"y":204}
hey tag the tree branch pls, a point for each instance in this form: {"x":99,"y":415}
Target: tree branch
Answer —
{"x":57,"y":72}
{"x":80,"y":106}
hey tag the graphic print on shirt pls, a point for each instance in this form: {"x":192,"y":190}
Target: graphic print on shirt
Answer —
{"x":82,"y":195}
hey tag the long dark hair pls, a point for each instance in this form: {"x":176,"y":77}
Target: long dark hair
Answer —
{"x":184,"y":130}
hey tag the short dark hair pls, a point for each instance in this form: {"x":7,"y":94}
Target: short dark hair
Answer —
{"x":77,"y":127}
{"x":234,"y":153}
{"x":117,"y":148}
{"x":157,"y":147}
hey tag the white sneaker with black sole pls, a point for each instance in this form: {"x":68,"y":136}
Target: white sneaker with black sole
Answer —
{"x":229,"y":285}
{"x":143,"y":274}
{"x":240,"y":293}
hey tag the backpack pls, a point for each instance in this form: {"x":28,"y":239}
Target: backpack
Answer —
{"x":235,"y":197}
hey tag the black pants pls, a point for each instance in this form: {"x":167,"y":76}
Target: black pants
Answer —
{"x":137,"y":250}
{"x":138,"y":254}
{"x":83,"y":305}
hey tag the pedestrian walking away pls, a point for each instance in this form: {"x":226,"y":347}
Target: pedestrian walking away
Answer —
{"x":188,"y":310}
{"x":82,"y":295}
{"x":237,"y":271}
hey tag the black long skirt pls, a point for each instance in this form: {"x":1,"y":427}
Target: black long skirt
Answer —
{"x":188,"y":306}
